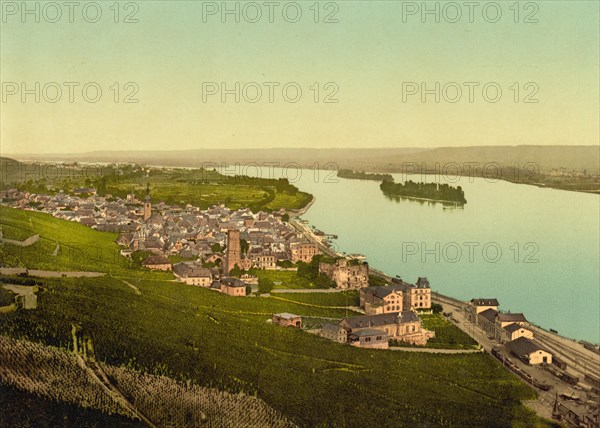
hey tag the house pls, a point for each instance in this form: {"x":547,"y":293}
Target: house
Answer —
{"x":157,"y":263}
{"x":334,"y":332}
{"x":404,"y":326}
{"x":503,"y":320}
{"x":513,"y":331}
{"x":192,"y":274}
{"x":25,"y":295}
{"x":487,"y":321}
{"x":84,"y":191}
{"x":396,"y":297}
{"x":476,"y":306}
{"x":233,"y":286}
{"x":287,"y":320}
{"x":381,"y":299}
{"x":369,"y":338}
{"x":346,"y":274}
{"x":529,"y":351}
{"x":304,"y":252}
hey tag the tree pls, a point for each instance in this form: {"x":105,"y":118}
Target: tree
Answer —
{"x":285,"y":217}
{"x":216,"y":248}
{"x":285,"y":264}
{"x":236,"y":271}
{"x":244,"y":246}
{"x":265,"y":285}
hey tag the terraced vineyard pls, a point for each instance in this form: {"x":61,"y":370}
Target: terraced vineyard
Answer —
{"x":60,"y":376}
{"x":53,"y":374}
{"x":175,"y":404}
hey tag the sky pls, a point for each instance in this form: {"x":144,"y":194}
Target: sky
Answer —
{"x":158,"y":75}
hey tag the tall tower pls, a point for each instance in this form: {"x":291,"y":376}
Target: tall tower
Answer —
{"x":233,"y":250}
{"x":147,"y":207}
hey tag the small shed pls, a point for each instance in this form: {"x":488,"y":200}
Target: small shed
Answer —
{"x":287,"y":320}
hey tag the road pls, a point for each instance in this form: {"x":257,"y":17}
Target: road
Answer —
{"x":49,"y":273}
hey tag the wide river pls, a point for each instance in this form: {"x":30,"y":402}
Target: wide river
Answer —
{"x":536,"y":250}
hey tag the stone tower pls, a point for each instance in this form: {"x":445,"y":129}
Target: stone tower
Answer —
{"x":233,"y":250}
{"x":147,"y":207}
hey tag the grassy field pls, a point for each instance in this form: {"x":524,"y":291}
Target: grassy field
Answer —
{"x":288,"y":279}
{"x":190,"y":333}
{"x":81,"y":248}
{"x":345,"y":298}
{"x":447,"y":335}
{"x":199,"y":187}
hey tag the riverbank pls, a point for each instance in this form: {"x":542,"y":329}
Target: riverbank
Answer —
{"x":557,"y":339}
{"x":416,"y":198}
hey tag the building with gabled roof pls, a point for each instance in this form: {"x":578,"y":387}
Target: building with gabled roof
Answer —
{"x":369,"y":338}
{"x":476,"y":306}
{"x":157,"y":263}
{"x":287,"y":320}
{"x":395,"y":297}
{"x":529,"y":351}
{"x":404,"y":326}
{"x":513,"y":331}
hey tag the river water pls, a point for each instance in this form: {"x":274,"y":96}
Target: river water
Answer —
{"x":534,"y":249}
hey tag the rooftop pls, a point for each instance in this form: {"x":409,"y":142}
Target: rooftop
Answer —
{"x":523,"y":346}
{"x":287,"y":316}
{"x":485,"y":302}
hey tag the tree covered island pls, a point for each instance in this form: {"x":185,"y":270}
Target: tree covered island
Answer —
{"x":434,"y":191}
{"x":361,"y":175}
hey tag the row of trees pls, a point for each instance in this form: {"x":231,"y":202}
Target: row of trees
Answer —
{"x":436,"y":191}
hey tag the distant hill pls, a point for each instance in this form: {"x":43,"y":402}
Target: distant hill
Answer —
{"x":365,"y":159}
{"x":8,"y":167}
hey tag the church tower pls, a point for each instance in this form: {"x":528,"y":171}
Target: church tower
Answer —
{"x":147,"y":207}
{"x":233,"y":250}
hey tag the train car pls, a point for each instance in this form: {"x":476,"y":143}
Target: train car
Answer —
{"x":541,"y":385}
{"x":592,"y":380}
{"x":559,"y":363}
{"x":569,"y":379}
{"x":590,"y":347}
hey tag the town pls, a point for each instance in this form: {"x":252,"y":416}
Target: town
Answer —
{"x":218,"y":248}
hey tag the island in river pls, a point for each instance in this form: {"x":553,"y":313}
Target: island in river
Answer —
{"x":433,"y":191}
{"x":361,"y":175}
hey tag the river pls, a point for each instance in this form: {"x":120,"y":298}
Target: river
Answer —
{"x":534,"y":249}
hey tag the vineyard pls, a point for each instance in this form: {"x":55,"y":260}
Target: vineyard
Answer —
{"x":61,"y":376}
{"x":54,"y":374}
{"x":176,"y":404}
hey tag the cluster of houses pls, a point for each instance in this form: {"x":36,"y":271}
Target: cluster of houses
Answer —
{"x":197,"y":237}
{"x":391,"y":315}
{"x":368,"y":331}
{"x":511,"y":329}
{"x":173,"y":230}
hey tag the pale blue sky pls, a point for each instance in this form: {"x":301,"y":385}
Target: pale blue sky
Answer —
{"x":368,"y":54}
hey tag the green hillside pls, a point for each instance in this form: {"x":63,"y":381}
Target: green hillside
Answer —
{"x":190,"y":333}
{"x":80,"y":248}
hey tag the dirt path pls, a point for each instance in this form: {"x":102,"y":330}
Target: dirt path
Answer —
{"x":133,"y":287}
{"x":49,"y":273}
{"x":100,"y":377}
{"x":435,"y":350}
{"x":306,"y":290}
